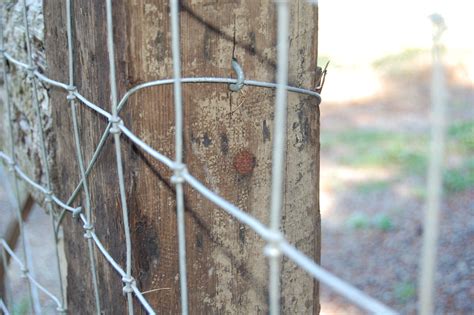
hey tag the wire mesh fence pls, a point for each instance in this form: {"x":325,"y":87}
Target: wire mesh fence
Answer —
{"x":276,"y":244}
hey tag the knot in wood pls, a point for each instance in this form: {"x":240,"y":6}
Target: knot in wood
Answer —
{"x":244,"y":162}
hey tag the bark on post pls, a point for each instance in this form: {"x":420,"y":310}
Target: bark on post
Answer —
{"x":228,"y":137}
{"x":26,"y":131}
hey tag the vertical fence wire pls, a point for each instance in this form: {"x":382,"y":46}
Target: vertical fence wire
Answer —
{"x":80,"y":161}
{"x":278,"y":154}
{"x":12,"y":165}
{"x":44,"y":155}
{"x":115,"y":130}
{"x":435,"y":174}
{"x":177,"y":177}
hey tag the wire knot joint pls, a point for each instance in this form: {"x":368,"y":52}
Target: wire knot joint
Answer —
{"x":24,"y":272}
{"x":128,"y":281}
{"x":48,"y":197}
{"x":88,"y":227}
{"x":30,"y":71}
{"x":76,"y":212}
{"x":272,"y":249}
{"x":71,"y":92}
{"x":116,"y":122}
{"x":178,"y":178}
{"x":11,"y":166}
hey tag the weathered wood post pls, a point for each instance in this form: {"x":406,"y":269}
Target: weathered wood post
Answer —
{"x":228,"y":144}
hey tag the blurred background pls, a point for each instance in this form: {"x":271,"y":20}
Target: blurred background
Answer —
{"x":375,"y":132}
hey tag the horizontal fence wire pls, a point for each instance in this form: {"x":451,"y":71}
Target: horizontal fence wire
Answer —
{"x":277,"y":245}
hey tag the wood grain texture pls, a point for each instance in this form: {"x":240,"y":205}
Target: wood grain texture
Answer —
{"x":226,"y":271}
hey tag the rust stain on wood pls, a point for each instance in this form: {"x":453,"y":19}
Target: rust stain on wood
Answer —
{"x":244,"y":162}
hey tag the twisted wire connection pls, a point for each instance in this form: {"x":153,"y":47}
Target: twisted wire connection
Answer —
{"x":8,"y":161}
{"x":277,"y":245}
{"x":115,"y":265}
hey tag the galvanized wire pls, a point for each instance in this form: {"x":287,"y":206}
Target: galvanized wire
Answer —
{"x":45,"y":167}
{"x":12,"y":163}
{"x":26,"y":273}
{"x":6,"y":287}
{"x":127,"y":279}
{"x":276,"y":243}
{"x":80,"y":161}
{"x":3,"y":307}
{"x":435,"y":173}
{"x":278,"y":155}
{"x":177,"y":178}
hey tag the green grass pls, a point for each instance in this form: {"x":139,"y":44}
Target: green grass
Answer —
{"x":361,"y":221}
{"x":402,"y":63}
{"x":383,"y":222}
{"x":22,"y":307}
{"x":377,"y":148}
{"x":419,"y":192}
{"x":459,"y":179}
{"x":404,"y":291}
{"x":400,"y":58}
{"x":358,"y":221}
{"x":369,"y":187}
{"x":462,"y":135}
{"x":404,"y":152}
